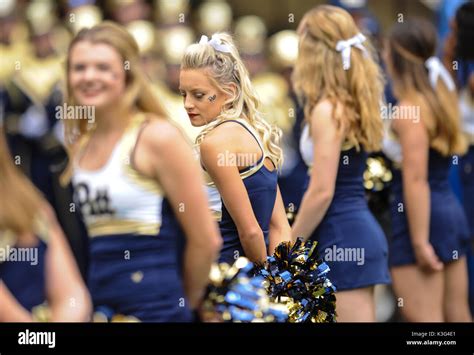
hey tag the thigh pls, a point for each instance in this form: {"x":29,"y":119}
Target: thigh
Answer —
{"x":456,"y":293}
{"x":419,"y":294}
{"x":356,"y":305}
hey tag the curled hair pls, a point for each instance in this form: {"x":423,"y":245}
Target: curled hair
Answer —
{"x":225,"y":69}
{"x":410,"y":44}
{"x":319,"y":75}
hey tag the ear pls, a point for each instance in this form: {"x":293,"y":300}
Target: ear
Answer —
{"x":233,"y":88}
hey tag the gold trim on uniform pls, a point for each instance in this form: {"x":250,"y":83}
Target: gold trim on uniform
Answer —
{"x":217,"y":215}
{"x":347,"y":146}
{"x":253,"y":169}
{"x":470,"y":138}
{"x":113,"y":227}
{"x":7,"y":238}
{"x":127,"y":145}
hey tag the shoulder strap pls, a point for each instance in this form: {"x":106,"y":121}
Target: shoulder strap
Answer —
{"x":250,"y":129}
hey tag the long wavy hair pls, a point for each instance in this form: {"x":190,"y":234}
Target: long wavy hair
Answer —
{"x":224,"y":69}
{"x":410,"y":44}
{"x":319,"y":75}
{"x":139,"y":93}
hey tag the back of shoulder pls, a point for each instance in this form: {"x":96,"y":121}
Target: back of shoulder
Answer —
{"x":159,"y":132}
{"x":225,"y":135}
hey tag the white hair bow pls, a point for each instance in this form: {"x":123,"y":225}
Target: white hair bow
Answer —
{"x":215,"y":43}
{"x":437,"y":69}
{"x":345,"y":48}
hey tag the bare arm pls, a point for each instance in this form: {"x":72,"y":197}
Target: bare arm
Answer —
{"x":67,"y":295}
{"x":327,"y":143}
{"x":234,"y":194}
{"x":416,"y":191}
{"x":280,"y":229}
{"x":163,"y":154}
{"x":10,"y":309}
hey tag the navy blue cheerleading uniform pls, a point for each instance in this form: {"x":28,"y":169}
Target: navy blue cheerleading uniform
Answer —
{"x":25,"y":279}
{"x":134,"y":265}
{"x":466,"y":171}
{"x":261,"y":185}
{"x":467,"y":180}
{"x":448,"y":229}
{"x":349,"y":237}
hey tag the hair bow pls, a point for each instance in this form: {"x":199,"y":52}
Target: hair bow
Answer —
{"x":345,"y":48}
{"x":215,"y":43}
{"x":436,"y":69}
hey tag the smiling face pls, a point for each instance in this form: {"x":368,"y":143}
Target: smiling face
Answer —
{"x":96,"y":75}
{"x":203,"y":100}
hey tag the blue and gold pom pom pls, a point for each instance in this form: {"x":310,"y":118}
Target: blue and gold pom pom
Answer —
{"x":236,"y":295}
{"x":296,"y":277}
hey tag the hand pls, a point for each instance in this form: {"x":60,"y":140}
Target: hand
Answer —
{"x":427,"y":259}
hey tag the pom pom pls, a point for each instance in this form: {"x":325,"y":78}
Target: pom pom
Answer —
{"x":297,"y":278}
{"x":236,"y":295}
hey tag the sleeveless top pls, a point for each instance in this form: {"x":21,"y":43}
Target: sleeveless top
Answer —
{"x":349,"y":193}
{"x":261,"y":186}
{"x":116,"y":199}
{"x":22,"y":269}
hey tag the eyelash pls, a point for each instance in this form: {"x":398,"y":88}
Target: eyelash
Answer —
{"x":198,"y":96}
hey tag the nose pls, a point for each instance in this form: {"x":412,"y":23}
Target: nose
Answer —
{"x":188,"y":103}
{"x":89,"y":73}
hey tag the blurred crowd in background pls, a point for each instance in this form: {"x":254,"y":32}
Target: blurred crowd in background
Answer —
{"x":34,"y":37}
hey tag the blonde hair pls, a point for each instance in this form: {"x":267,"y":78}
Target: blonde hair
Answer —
{"x":139,"y":93}
{"x":410,"y":45}
{"x":319,"y":75}
{"x":21,"y":201}
{"x":224,"y":69}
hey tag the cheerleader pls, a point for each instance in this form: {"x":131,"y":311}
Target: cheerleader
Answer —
{"x":429,"y":229}
{"x":36,"y":265}
{"x":340,"y":85}
{"x":464,"y":54}
{"x":238,"y":149}
{"x":134,"y":178}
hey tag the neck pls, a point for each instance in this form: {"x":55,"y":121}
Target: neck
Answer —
{"x":112,"y":119}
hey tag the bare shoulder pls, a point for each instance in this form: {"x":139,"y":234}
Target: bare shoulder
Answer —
{"x":160,"y":133}
{"x":322,"y":109}
{"x":409,"y":112}
{"x":160,"y":143}
{"x":223,"y":137}
{"x":322,"y":116}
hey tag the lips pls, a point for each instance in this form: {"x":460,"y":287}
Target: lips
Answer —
{"x":89,"y":91}
{"x":192,"y":115}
